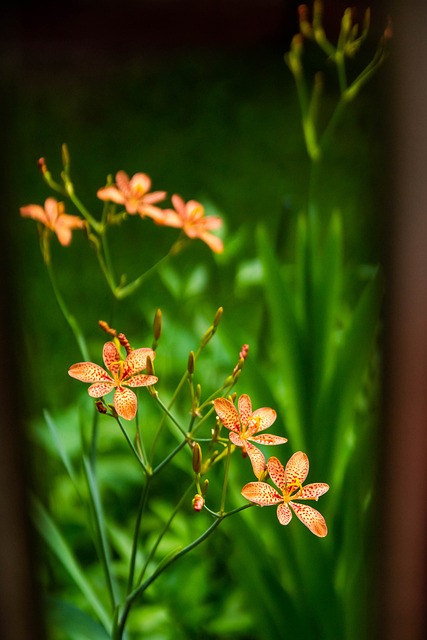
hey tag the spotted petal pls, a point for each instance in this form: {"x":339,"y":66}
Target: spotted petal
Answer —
{"x":125,"y":403}
{"x":140,"y":380}
{"x":266,"y":417}
{"x":312,"y":519}
{"x":88,"y":372}
{"x":111,"y":356}
{"x":276,"y":472}
{"x":284,"y":514}
{"x":100,"y":389}
{"x":313,"y":491}
{"x":236,"y":439}
{"x":136,"y":361}
{"x":227,"y":413}
{"x":257,"y":459}
{"x":261,"y":493}
{"x":266,"y":438}
{"x":245,"y":408}
{"x":297,"y":468}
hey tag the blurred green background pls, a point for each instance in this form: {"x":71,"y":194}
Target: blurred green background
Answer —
{"x":216,"y":120}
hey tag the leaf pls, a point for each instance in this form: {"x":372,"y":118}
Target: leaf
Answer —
{"x":74,"y":622}
{"x":54,"y":539}
{"x":59,"y":446}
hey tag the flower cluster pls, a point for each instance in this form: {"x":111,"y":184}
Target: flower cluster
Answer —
{"x":135,"y":195}
{"x":245,"y":426}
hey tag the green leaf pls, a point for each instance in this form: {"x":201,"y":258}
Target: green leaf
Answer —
{"x":73,"y":622}
{"x":54,"y":539}
{"x":286,"y":337}
{"x":59,"y":446}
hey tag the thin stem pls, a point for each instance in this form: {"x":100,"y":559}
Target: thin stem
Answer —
{"x":72,"y":322}
{"x":168,"y":458}
{"x":225,"y":483}
{"x":118,"y":632}
{"x":162,"y":533}
{"x":141,"y":509}
{"x":132,"y":446}
{"x":123,"y":291}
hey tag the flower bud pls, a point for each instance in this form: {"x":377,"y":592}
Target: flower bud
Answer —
{"x":197,"y":458}
{"x":149,"y":367}
{"x":124,"y":342}
{"x":65,"y":157}
{"x":191,"y":362}
{"x":205,"y":487}
{"x":100,"y":406}
{"x":157,"y":325}
{"x":218,"y":317}
{"x":198,"y":502}
{"x":41,"y":163}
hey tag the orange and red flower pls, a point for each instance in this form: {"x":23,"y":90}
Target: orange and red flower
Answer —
{"x":53,"y":217}
{"x":190,"y":217}
{"x":245,"y":427}
{"x":289,"y":482}
{"x":124,"y":373}
{"x":134,"y":193}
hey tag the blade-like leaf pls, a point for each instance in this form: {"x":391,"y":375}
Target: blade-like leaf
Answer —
{"x":54,"y":539}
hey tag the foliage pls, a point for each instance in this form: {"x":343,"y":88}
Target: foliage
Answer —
{"x":110,"y":528}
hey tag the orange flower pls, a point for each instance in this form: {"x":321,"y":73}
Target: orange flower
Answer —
{"x":134,"y":194}
{"x":53,"y":216}
{"x":245,"y":427}
{"x":289,"y":481}
{"x":124,"y":373}
{"x":191,"y":218}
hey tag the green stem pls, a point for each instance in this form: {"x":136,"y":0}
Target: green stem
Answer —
{"x":225,"y":483}
{"x":123,"y":291}
{"x":141,"y":509}
{"x":162,"y":533}
{"x":118,"y":632}
{"x":168,"y":458}
{"x":132,"y":446}
{"x":72,"y":322}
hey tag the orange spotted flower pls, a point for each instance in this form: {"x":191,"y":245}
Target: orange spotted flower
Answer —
{"x":289,"y":481}
{"x":190,"y":217}
{"x":124,"y":373}
{"x":53,"y":216}
{"x":134,"y":194}
{"x":245,"y":427}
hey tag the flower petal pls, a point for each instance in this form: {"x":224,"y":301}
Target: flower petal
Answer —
{"x":214,"y":243}
{"x":312,"y":519}
{"x":276,"y":472}
{"x":261,"y":493}
{"x":297,"y":468}
{"x":245,"y":408}
{"x":313,"y":491}
{"x":89,"y":372}
{"x":100,"y":389}
{"x":111,"y":356}
{"x":125,"y":403}
{"x":112,"y":194}
{"x":266,"y":417}
{"x":141,"y":380}
{"x":34,"y":211}
{"x":136,"y":361}
{"x":227,"y":413}
{"x":284,"y":514}
{"x":236,"y":439}
{"x":257,"y":459}
{"x":266,"y":438}
{"x":139,"y":182}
